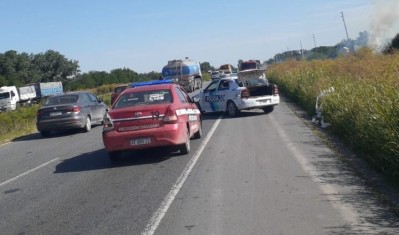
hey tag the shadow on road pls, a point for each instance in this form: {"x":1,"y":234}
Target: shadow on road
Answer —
{"x":242,"y":114}
{"x":98,"y":160}
{"x":54,"y":134}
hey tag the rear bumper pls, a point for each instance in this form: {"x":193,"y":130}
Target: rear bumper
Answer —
{"x":167,"y":135}
{"x":61,"y":124}
{"x":258,"y":102}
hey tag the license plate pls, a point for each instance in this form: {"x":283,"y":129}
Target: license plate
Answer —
{"x":140,"y":141}
{"x":55,"y":114}
{"x":265,"y":101}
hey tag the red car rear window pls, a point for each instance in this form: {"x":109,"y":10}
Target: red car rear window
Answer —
{"x":132,"y":99}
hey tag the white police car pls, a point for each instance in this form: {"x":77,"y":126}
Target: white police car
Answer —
{"x":231,"y":95}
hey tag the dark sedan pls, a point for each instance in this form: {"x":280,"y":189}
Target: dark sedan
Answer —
{"x":73,"y":110}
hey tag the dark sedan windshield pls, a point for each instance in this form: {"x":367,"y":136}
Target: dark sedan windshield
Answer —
{"x":65,"y":99}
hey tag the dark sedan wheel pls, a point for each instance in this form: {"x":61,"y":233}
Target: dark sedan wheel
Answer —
{"x":45,"y":133}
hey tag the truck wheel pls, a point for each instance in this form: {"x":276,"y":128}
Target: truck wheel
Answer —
{"x":87,"y":127}
{"x":232,"y":109}
{"x":185,"y":148}
{"x":115,"y":156}
{"x":268,"y":109}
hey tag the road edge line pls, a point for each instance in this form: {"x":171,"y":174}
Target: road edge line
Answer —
{"x":170,"y":197}
{"x":30,"y":171}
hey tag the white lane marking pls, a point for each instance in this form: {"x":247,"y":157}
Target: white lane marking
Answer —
{"x":346,"y":211}
{"x":167,"y":201}
{"x":1,"y":145}
{"x":30,"y":171}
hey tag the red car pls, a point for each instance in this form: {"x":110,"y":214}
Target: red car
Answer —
{"x":117,"y":91}
{"x":151,"y":114}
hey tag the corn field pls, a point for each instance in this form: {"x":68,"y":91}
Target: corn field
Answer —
{"x":363,"y":109}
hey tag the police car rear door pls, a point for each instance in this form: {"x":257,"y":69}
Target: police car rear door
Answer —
{"x":212,"y":98}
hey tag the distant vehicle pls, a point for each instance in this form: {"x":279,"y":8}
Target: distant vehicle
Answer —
{"x":215,"y":75}
{"x":233,"y":75}
{"x":151,"y":114}
{"x":73,"y":110}
{"x":117,"y":90}
{"x":249,"y":65}
{"x":231,"y":95}
{"x":226,"y":68}
{"x":11,"y":96}
{"x":186,"y":73}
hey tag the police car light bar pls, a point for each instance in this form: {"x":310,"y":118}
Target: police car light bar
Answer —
{"x":153,"y":82}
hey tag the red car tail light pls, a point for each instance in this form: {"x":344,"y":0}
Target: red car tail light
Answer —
{"x":107,"y":123}
{"x":245,"y":93}
{"x":74,"y":109}
{"x":170,"y":116}
{"x":275,"y":90}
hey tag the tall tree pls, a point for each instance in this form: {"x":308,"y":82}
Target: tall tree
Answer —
{"x":206,"y":66}
{"x":55,"y":67}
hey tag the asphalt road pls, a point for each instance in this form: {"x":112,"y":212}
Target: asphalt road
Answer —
{"x":254,"y":174}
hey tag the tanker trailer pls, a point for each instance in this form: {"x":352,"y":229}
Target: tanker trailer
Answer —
{"x":186,"y":73}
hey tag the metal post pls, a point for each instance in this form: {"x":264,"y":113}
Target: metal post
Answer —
{"x":303,"y":56}
{"x":314,"y":40}
{"x":346,"y":30}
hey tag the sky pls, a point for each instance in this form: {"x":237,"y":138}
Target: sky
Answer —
{"x":143,"y":35}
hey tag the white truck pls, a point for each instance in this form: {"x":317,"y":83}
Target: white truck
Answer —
{"x":11,"y":96}
{"x":251,"y":90}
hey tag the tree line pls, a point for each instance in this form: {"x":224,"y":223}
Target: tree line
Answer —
{"x":19,"y":69}
{"x":332,"y":52}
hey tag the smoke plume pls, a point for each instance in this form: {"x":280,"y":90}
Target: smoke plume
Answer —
{"x":386,"y":15}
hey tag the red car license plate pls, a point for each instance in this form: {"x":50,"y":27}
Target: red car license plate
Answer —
{"x":140,"y":141}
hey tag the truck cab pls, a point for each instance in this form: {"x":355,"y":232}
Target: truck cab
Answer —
{"x":9,"y":98}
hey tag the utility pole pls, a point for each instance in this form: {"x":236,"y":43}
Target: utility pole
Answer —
{"x":346,"y":30}
{"x":314,"y":40}
{"x":303,"y":56}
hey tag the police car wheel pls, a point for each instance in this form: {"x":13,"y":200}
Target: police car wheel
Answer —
{"x":232,"y":109}
{"x":185,"y":148}
{"x":268,"y":109}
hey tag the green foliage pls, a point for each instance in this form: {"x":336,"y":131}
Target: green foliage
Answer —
{"x":94,"y":79}
{"x":363,"y":109}
{"x":17,"y":123}
{"x":19,"y":69}
{"x":205,"y":67}
{"x":206,"y":77}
